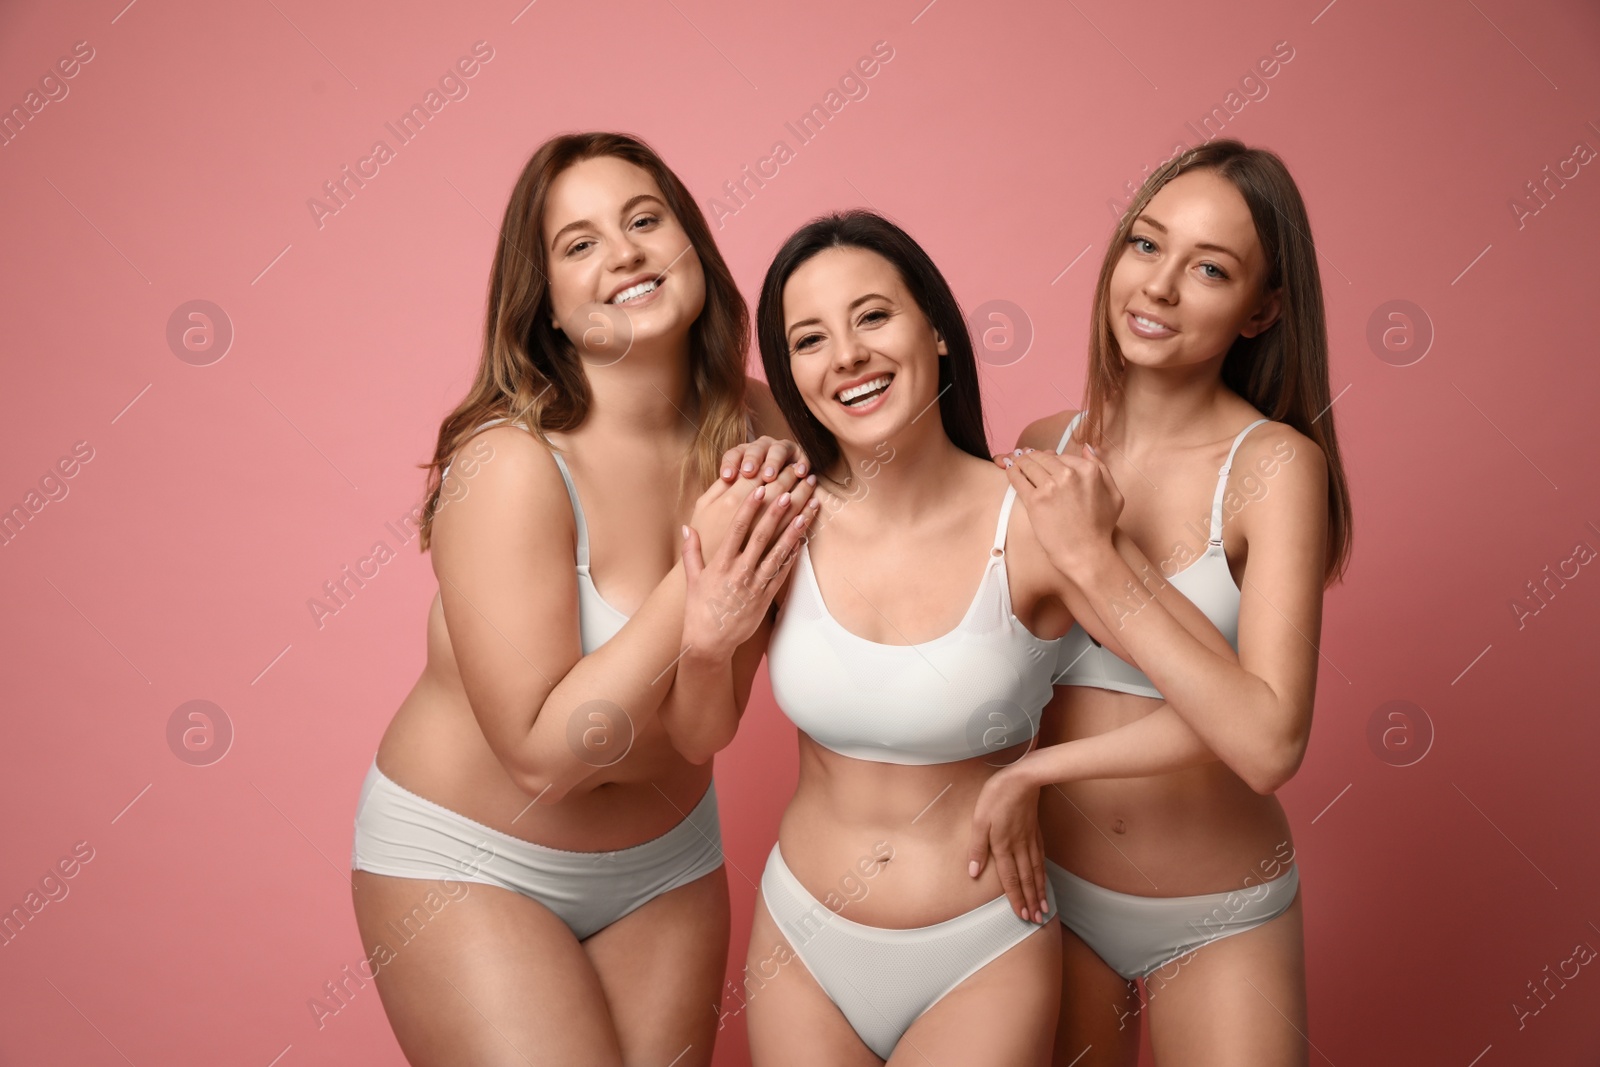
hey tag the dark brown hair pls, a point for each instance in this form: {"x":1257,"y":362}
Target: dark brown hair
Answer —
{"x":960,"y":405}
{"x":531,"y":373}
{"x":1282,"y":371}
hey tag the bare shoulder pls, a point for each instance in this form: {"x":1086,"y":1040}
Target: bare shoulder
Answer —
{"x":1285,"y":471}
{"x":1046,"y":432}
{"x":501,"y":480}
{"x":768,"y":419}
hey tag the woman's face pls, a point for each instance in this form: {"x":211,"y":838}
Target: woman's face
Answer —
{"x":863,"y":354}
{"x":1190,"y":278}
{"x":622,"y":270}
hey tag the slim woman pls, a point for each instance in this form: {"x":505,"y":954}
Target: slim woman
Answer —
{"x":538,"y":871}
{"x":914,"y":649}
{"x":1208,"y":406}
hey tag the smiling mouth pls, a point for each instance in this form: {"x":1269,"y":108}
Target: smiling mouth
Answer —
{"x":1149,"y":323}
{"x":865,"y":392}
{"x":636,"y":292}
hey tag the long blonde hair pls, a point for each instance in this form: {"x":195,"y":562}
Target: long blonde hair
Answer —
{"x":1282,"y":371}
{"x":531,"y":373}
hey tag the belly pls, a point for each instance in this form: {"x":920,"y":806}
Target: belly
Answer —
{"x":1198,"y":830}
{"x":885,"y":844}
{"x":435,"y":748}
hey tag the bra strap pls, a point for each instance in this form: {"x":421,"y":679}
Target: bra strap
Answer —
{"x":1222,"y":483}
{"x":1005,"y":520}
{"x":577,"y":511}
{"x":1068,"y":435}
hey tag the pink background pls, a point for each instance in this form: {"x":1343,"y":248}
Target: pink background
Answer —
{"x":179,"y":564}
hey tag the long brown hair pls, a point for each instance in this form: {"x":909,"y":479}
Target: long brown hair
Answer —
{"x":1282,"y":371}
{"x":531,"y":373}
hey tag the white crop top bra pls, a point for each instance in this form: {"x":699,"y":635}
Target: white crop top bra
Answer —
{"x":970,"y":692}
{"x":1207,"y":582}
{"x":598,"y":621}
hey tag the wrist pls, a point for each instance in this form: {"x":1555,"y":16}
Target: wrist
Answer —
{"x":1084,"y":562}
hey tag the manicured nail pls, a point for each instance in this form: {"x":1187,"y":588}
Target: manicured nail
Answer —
{"x":972,"y":869}
{"x":1006,"y":460}
{"x":800,"y":520}
{"x":760,"y":492}
{"x":769,"y":472}
{"x":811,"y":479}
{"x":749,"y":465}
{"x":813,"y":503}
{"x":783,"y":501}
{"x":1018,"y":452}
{"x":685,"y":532}
{"x":799,"y":468}
{"x":727,"y":472}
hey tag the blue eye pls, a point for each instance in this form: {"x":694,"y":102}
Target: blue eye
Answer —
{"x":1220,"y":275}
{"x":1144,"y":244}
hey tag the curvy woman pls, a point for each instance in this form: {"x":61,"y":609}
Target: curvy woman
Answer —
{"x":537,"y":870}
{"x":913,"y":649}
{"x":1208,"y":406}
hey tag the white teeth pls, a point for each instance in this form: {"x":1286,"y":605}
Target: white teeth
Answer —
{"x":880,"y":382}
{"x":1149,"y":324}
{"x":634,"y":291}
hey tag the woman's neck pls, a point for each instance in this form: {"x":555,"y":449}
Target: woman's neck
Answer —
{"x":900,"y":479}
{"x":1169,"y":405}
{"x":641,"y":394}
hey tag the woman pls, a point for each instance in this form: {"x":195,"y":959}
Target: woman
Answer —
{"x":535,"y":757}
{"x":1208,"y":402}
{"x":907,"y":686}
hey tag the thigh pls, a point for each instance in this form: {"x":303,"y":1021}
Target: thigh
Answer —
{"x":1238,"y":999}
{"x":790,"y":1019}
{"x":1100,"y":1010}
{"x":480,"y":975}
{"x":662,"y":967}
{"x":1003,"y":1014}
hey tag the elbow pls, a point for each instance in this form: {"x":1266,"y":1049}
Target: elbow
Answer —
{"x":1275,"y":767}
{"x":542,"y":784}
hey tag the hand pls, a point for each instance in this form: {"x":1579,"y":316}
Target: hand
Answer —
{"x":1005,"y":823}
{"x":1073,"y":503}
{"x":762,"y":459}
{"x":716,"y":507}
{"x":727,"y":597}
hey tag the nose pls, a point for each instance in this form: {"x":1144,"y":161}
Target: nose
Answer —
{"x":1162,"y":281}
{"x":622,"y":251}
{"x":851,"y":352}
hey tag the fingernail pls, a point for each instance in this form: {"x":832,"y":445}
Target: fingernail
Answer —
{"x":799,"y":468}
{"x":972,"y":869}
{"x":811,"y":479}
{"x":685,"y":530}
{"x":783,"y":501}
{"x":800,"y":520}
{"x":769,"y":472}
{"x":813,"y":503}
{"x":749,"y":465}
{"x":1006,"y":460}
{"x":761,"y":491}
{"x":1018,"y":452}
{"x":727,"y":472}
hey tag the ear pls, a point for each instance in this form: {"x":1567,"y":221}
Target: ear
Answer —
{"x":1266,"y":314}
{"x":943,"y":349}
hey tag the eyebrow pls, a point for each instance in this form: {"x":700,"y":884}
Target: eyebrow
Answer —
{"x":857,"y":302}
{"x":587,"y":224}
{"x":1207,"y":247}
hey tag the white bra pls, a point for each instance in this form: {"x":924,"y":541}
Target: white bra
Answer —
{"x":1207,"y":582}
{"x":598,"y":621}
{"x":970,"y":692}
